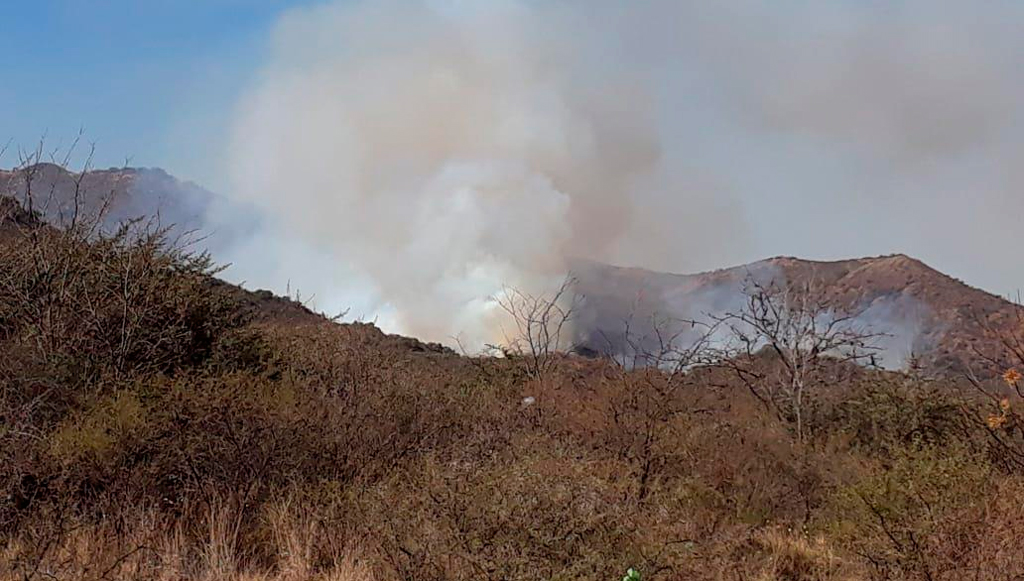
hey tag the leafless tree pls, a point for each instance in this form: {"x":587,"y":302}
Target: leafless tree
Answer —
{"x":654,"y":363}
{"x":38,"y":182}
{"x":541,"y":325}
{"x":802,"y":330}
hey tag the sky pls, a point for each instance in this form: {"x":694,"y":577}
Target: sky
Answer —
{"x":409,"y":156}
{"x":151,"y":81}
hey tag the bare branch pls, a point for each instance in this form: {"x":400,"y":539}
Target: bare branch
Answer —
{"x":801,"y":330}
{"x":542,"y":324}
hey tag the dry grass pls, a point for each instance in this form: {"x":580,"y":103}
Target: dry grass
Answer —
{"x":151,"y":547}
{"x":798,"y":558}
{"x":164,"y":437}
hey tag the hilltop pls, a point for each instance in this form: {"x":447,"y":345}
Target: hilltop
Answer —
{"x":949,"y":326}
{"x":115,"y":195}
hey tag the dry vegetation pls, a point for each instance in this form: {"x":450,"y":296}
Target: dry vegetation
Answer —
{"x":150,"y":428}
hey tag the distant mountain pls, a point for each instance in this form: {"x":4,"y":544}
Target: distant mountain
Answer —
{"x":948,"y":326}
{"x":125,"y":193}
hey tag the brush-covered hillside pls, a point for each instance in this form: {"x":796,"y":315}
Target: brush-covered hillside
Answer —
{"x":944,"y":326}
{"x":122,"y":194}
{"x":158,"y":424}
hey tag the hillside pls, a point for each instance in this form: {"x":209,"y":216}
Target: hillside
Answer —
{"x":158,"y":424}
{"x":255,"y":306}
{"x":948,"y":325}
{"x":123,"y":193}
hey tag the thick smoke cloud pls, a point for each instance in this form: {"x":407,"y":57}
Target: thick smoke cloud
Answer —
{"x":408,"y":158}
{"x":441,"y":151}
{"x":871,"y":128}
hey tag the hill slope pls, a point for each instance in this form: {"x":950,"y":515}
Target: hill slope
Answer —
{"x":127,"y":193}
{"x":945,"y":323}
{"x":259,"y":306}
{"x":149,"y":430}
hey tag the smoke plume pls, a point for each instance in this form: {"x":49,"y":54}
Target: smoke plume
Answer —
{"x":438,"y":151}
{"x":408,"y":158}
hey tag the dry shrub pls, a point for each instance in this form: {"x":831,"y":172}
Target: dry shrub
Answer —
{"x":127,"y":303}
{"x":145,"y":545}
{"x":797,"y":558}
{"x":149,"y":431}
{"x":919,"y":517}
{"x":83,"y":316}
{"x":549,"y":514}
{"x":883,"y":413}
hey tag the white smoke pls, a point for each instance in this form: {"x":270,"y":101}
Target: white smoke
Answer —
{"x":437,"y":151}
{"x":903,"y":327}
{"x":408,"y":158}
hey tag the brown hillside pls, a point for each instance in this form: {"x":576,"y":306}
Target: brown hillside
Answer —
{"x":124,"y":193}
{"x":260,"y":307}
{"x":147,"y":431}
{"x":950,"y":326}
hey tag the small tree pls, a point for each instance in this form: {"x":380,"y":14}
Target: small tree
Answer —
{"x":540,"y":325}
{"x":652,"y":357}
{"x":802,"y":330}
{"x":657,"y":376}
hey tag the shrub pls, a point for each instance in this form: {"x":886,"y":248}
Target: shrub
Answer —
{"x":150,"y":427}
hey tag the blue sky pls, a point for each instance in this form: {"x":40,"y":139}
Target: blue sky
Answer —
{"x":150,"y":80}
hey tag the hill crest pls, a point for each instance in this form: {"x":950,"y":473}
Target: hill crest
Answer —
{"x":946,"y":325}
{"x":949,"y":326}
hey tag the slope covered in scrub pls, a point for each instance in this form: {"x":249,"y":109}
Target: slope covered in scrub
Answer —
{"x":157,"y":424}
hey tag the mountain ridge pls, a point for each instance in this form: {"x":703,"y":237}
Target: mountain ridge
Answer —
{"x":956,"y":327}
{"x":951,"y":326}
{"x":123,"y":193}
